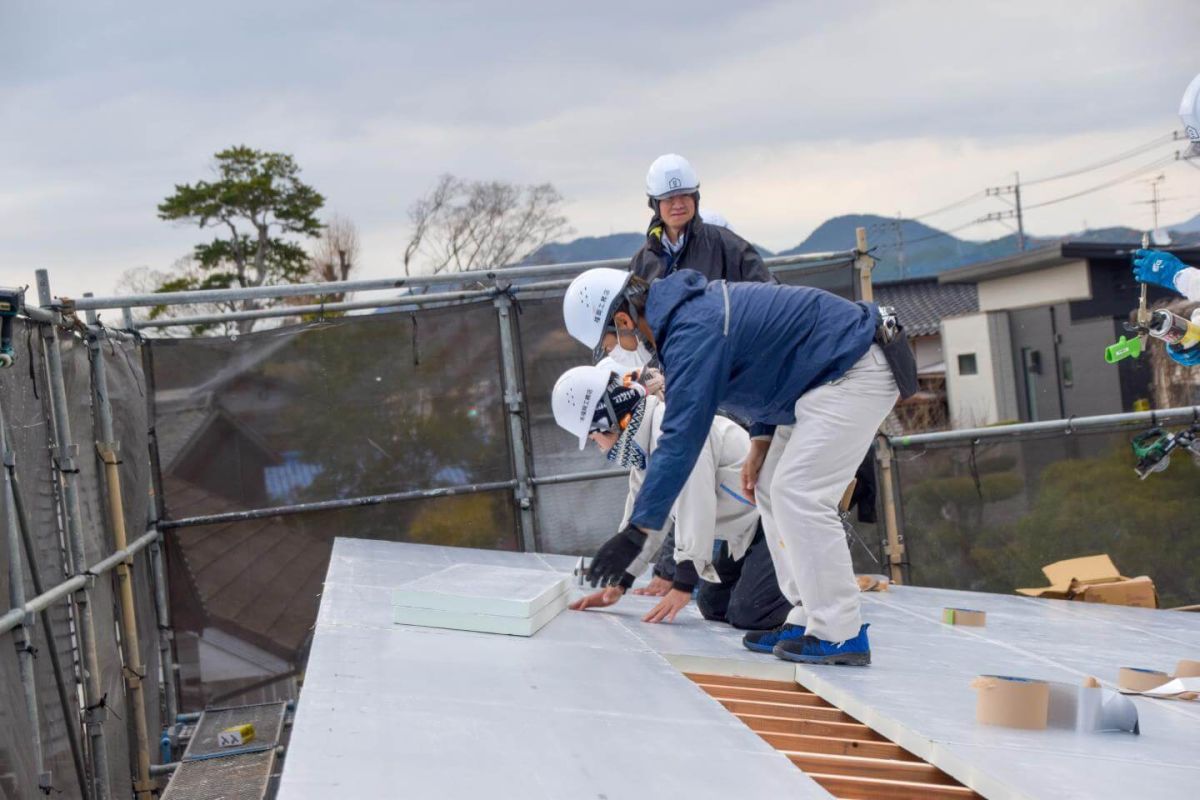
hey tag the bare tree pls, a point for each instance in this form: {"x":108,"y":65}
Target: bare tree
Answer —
{"x":462,"y":225}
{"x":335,"y":254}
{"x":184,"y":273}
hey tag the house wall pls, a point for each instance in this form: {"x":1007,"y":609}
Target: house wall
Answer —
{"x":1042,"y":287}
{"x":928,"y":352}
{"x":989,"y":395}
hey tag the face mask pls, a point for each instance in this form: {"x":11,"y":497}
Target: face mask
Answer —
{"x":633,"y":359}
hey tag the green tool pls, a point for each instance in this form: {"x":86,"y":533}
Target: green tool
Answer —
{"x":1153,"y":448}
{"x":1126,"y":348}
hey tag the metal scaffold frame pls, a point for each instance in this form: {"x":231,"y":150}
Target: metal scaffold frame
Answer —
{"x":56,"y":318}
{"x":503,"y":286}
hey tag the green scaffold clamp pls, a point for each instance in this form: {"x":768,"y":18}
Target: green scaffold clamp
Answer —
{"x":1124,"y":348}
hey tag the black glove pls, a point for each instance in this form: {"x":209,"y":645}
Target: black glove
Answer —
{"x":614,"y":557}
{"x":686,"y":577}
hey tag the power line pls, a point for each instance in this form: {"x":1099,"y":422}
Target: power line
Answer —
{"x":1157,"y":141}
{"x":1124,"y":155}
{"x":1158,"y":163}
{"x":949,"y":206}
{"x":937,"y":235}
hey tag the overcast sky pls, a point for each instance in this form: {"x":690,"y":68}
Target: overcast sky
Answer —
{"x":791,"y":112}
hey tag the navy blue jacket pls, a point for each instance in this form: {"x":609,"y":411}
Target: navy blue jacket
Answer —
{"x":781,"y":342}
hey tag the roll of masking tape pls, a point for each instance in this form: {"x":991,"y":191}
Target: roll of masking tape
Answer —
{"x":1136,"y":679}
{"x":1187,"y":669}
{"x":964,"y":616}
{"x":1012,"y":702}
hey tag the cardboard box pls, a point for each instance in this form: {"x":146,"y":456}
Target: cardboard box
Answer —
{"x":1094,"y":579}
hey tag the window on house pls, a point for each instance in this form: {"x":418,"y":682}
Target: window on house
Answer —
{"x":966,"y":364}
{"x":1068,"y":372}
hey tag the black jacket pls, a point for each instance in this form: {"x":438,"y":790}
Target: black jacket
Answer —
{"x":713,"y":251}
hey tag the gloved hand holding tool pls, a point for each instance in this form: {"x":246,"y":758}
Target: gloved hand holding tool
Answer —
{"x":614,"y":557}
{"x":1157,"y":267}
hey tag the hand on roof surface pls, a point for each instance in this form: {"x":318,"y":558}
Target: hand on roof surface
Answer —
{"x":601,"y":599}
{"x":671,"y":604}
{"x":658,"y":587}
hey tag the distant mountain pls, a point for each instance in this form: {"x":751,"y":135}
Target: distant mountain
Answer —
{"x":589,"y":248}
{"x":1191,"y":226}
{"x":598,"y":248}
{"x":906,"y":248}
{"x":903,"y":248}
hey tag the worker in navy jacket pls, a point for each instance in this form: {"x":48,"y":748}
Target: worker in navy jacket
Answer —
{"x":803,"y":365}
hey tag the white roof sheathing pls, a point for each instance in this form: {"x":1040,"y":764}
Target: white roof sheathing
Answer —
{"x":594,"y":704}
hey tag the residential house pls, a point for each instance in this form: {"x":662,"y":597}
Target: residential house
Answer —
{"x":1034,"y":349}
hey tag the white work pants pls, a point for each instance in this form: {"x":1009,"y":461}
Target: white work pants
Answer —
{"x":807,"y":469}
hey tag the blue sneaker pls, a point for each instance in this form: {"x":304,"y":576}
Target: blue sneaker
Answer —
{"x":811,"y":650}
{"x":765,"y":641}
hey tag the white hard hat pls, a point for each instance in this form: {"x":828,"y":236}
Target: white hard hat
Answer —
{"x":711,"y":217}
{"x":670,"y":175}
{"x":576,"y":396}
{"x":589,"y":301}
{"x":1189,"y":112}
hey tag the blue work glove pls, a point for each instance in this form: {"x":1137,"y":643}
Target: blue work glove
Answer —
{"x":1156,"y":267}
{"x":1189,"y":357}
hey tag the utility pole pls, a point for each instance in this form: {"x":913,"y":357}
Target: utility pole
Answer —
{"x":900,"y":242}
{"x":1155,"y":201}
{"x":1020,"y":219}
{"x":1016,"y":213}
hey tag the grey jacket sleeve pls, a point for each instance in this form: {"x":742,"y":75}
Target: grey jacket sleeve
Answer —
{"x":664,"y":565}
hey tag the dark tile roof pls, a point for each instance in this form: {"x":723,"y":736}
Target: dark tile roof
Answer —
{"x":923,"y":304}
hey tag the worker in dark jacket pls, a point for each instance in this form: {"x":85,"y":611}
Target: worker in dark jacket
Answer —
{"x":679,"y":239}
{"x":803,"y":365}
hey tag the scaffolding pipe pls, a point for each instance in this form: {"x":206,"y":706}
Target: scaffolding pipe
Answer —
{"x":23,"y":632}
{"x":166,"y":658}
{"x":576,"y":477}
{"x":64,"y":457}
{"x":1070,"y":425}
{"x":378,"y":284}
{"x":331,"y":505}
{"x":514,"y":403}
{"x":135,"y":669}
{"x":891,"y":526}
{"x":52,"y":316}
{"x":863,"y":265}
{"x":349,"y":305}
{"x":69,"y":706}
{"x":11,"y":618}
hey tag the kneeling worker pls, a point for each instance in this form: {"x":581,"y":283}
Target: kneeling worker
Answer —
{"x":804,"y":366}
{"x":617,"y":414}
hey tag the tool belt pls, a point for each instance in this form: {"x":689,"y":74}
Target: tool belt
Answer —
{"x":891,"y":339}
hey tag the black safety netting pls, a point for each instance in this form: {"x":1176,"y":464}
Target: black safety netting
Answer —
{"x":351,"y":408}
{"x":244,"y":595}
{"x":25,"y":396}
{"x":838,"y":277}
{"x":988,"y":516}
{"x":573,"y":518}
